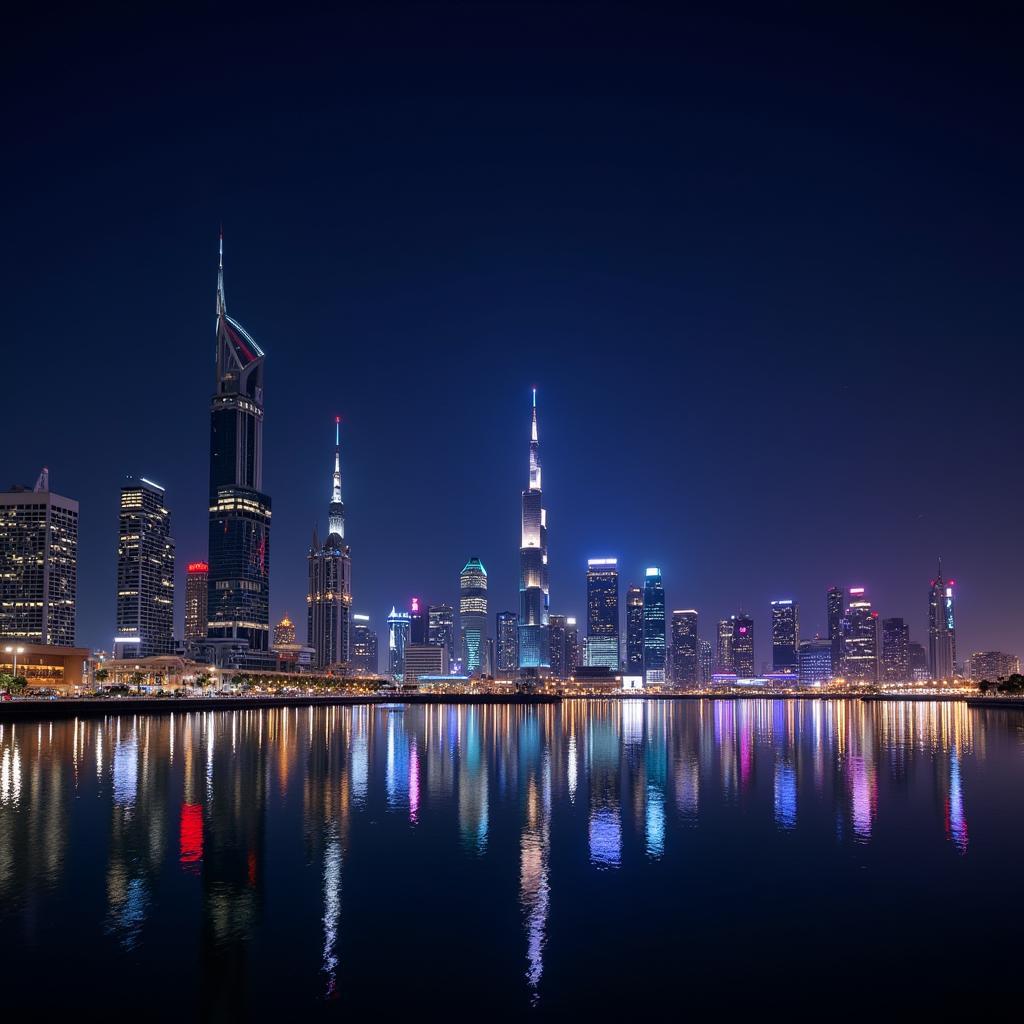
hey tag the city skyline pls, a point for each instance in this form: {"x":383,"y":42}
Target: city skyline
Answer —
{"x":757,"y":260}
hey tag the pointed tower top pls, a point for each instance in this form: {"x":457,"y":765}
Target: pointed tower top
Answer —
{"x":221,"y":304}
{"x":534,"y":447}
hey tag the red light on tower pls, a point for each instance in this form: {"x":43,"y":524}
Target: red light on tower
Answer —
{"x":194,"y":567}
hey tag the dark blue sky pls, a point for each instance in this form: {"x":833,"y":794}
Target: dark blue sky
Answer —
{"x":764,"y":269}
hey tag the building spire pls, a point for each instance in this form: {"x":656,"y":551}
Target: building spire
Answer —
{"x":336,"y":512}
{"x":221,"y":304}
{"x":534,"y":448}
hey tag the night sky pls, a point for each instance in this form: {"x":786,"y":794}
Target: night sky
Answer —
{"x":764,"y":269}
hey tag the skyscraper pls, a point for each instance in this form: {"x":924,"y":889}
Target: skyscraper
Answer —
{"x":815,"y":664}
{"x":38,"y":565}
{"x":860,"y":639}
{"x":603,"y":613}
{"x":556,"y":635}
{"x":634,"y":630}
{"x":196,"y":583}
{"x":941,"y":628}
{"x":145,"y":573}
{"x":329,"y":599}
{"x":398,"y":637}
{"x":473,"y":616}
{"x":572,"y":646}
{"x":724,"y":660}
{"x":654,"y":626}
{"x":284,"y":632}
{"x":364,"y":647}
{"x":239,"y":542}
{"x":508,"y":645}
{"x":685,"y":648}
{"x":706,"y":656}
{"x":419,"y":622}
{"x":895,"y":656}
{"x":834,"y":617}
{"x":917,"y":662}
{"x":534,"y":647}
{"x":441,"y":628}
{"x":743,"y":645}
{"x":785,"y":635}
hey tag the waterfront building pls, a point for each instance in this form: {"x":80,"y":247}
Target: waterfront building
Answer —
{"x":834,"y":607}
{"x":685,"y":648}
{"x":654,"y":627}
{"x":145,"y":573}
{"x":441,"y":628}
{"x":723,"y":651}
{"x":329,"y":599}
{"x":364,"y":647}
{"x":507,"y":657}
{"x":534,"y":590}
{"x":473,"y":616}
{"x":634,"y":630}
{"x":398,"y":638}
{"x":197,"y":577}
{"x":706,"y":655}
{"x":419,"y":622}
{"x":59,"y":667}
{"x":785,"y":635}
{"x":424,"y":659}
{"x":284,"y":632}
{"x":815,"y":661}
{"x":860,"y":639}
{"x":572,"y":647}
{"x":917,"y":662}
{"x":238,"y":595}
{"x":556,"y":636}
{"x":895,"y":640}
{"x":993,"y":665}
{"x":603,"y":613}
{"x":743,"y":645}
{"x":941,"y":628}
{"x":38,"y":565}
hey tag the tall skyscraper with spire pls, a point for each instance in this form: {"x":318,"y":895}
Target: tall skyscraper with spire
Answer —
{"x":239,"y":538}
{"x":941,"y":628}
{"x":534,"y":644}
{"x":329,"y":599}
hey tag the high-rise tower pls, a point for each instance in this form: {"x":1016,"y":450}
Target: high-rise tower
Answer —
{"x":785,"y":635}
{"x":534,"y":646}
{"x":654,"y":627}
{"x":634,"y":630}
{"x":473,"y":616}
{"x":330,"y":580}
{"x":239,"y":545}
{"x":941,"y":628}
{"x":603,"y":613}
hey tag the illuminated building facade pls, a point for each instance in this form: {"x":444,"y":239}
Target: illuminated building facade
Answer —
{"x":895,"y":654}
{"x":239,"y":539}
{"x":860,"y":639}
{"x":706,"y":661}
{"x":145,"y":573}
{"x":723,"y":648}
{"x":534,"y":595}
{"x":603,"y":613}
{"x":993,"y":665}
{"x":364,"y":647}
{"x":941,"y":628}
{"x":834,"y":611}
{"x":785,"y":635}
{"x":197,"y":578}
{"x":507,"y":655}
{"x":441,"y":628}
{"x":556,"y":634}
{"x":743,"y":645}
{"x":572,"y":646}
{"x":284,"y":632}
{"x":424,"y":660}
{"x":38,"y":565}
{"x":815,"y":662}
{"x":917,"y":662}
{"x":634,"y":630}
{"x":419,"y":622}
{"x":329,"y":599}
{"x":398,"y":637}
{"x":685,"y":648}
{"x":654,"y":626}
{"x":473,"y":616}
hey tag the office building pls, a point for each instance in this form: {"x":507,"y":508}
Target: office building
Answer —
{"x":860,"y":639}
{"x":815,"y":662}
{"x":785,"y":635}
{"x":917,"y":662}
{"x":724,"y":661}
{"x":329,"y":599}
{"x":654,"y":627}
{"x":743,"y":646}
{"x":473,"y":616}
{"x":556,"y":637}
{"x":603,"y":613}
{"x":364,"y":647}
{"x":706,"y":656}
{"x":534,"y":596}
{"x":634,"y":630}
{"x":145,"y":573}
{"x":424,"y":659}
{"x":572,"y":647}
{"x":895,"y":640}
{"x":941,"y":628}
{"x":398,"y":638}
{"x":238,"y":595}
{"x":419,"y":622}
{"x":993,"y":665}
{"x":507,"y":657}
{"x":38,"y":565}
{"x":197,"y":578}
{"x":284,"y":632}
{"x":834,"y":610}
{"x":685,"y":648}
{"x":441,"y":628}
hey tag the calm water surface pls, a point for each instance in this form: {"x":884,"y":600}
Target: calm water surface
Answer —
{"x":790,"y":856}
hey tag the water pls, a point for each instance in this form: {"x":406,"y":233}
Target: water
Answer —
{"x":784,"y":856}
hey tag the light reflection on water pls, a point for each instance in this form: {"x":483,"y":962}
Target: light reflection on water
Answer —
{"x":332,"y":839}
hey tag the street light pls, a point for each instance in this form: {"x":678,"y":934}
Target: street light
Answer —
{"x":15,"y":651}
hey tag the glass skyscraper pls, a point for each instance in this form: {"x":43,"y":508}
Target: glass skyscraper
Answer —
{"x":603,"y":613}
{"x":239,"y":538}
{"x":785,"y":635}
{"x":441,"y":628}
{"x":634,"y":630}
{"x":834,"y":617}
{"x":473,"y":616}
{"x":895,"y":641}
{"x":941,"y":628}
{"x":685,"y":648}
{"x":860,"y":639}
{"x":743,"y":645}
{"x":508,"y":644}
{"x":534,"y":597}
{"x":364,"y":646}
{"x":654,"y":626}
{"x":398,"y":637}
